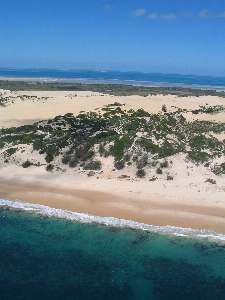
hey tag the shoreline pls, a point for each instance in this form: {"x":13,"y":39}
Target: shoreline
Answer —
{"x":180,"y":207}
{"x":47,"y":211}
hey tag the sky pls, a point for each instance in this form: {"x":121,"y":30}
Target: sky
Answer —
{"x":167,"y":36}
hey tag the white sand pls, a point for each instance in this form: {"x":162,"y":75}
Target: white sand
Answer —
{"x":28,"y":111}
{"x":186,"y":201}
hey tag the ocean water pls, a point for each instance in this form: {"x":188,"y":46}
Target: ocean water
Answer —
{"x":133,"y":78}
{"x":45,"y":257}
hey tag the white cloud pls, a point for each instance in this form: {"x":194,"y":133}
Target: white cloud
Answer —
{"x":107,"y":6}
{"x":208,"y":15}
{"x":169,"y":17}
{"x":153,"y":16}
{"x":138,"y":12}
{"x":204,"y":14}
{"x":186,"y":14}
{"x":221,"y":15}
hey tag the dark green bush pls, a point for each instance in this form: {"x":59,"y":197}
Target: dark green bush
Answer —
{"x":148,"y":145}
{"x":101,"y":149}
{"x":49,"y":167}
{"x":26,"y":164}
{"x":164,"y":164}
{"x":140,"y":173}
{"x":93,"y":165}
{"x":73,"y":161}
{"x":49,"y":157}
{"x":219,"y":169}
{"x":119,"y":165}
{"x":38,"y":145}
{"x":164,"y":109}
{"x":120,"y":144}
{"x":11,"y":151}
{"x":142,"y":162}
{"x":199,"y":156}
{"x":65,"y":159}
{"x":159,"y":171}
{"x":210,"y":180}
{"x":153,"y":178}
{"x":2,"y":144}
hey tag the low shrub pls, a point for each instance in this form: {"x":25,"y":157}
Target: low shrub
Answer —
{"x":164,"y":109}
{"x":49,"y":167}
{"x":199,"y":156}
{"x":219,"y":169}
{"x":153,"y":178}
{"x":119,"y":165}
{"x":93,"y":165}
{"x":65,"y":159}
{"x":73,"y":162}
{"x":159,"y":171}
{"x":141,"y":163}
{"x":164,"y":164}
{"x":11,"y":151}
{"x":140,"y":173}
{"x":210,"y":180}
{"x":49,"y":157}
{"x":26,"y":164}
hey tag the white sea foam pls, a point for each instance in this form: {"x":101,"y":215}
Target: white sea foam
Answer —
{"x":109,"y":221}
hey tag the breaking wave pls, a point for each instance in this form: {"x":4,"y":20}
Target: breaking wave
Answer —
{"x":47,"y":211}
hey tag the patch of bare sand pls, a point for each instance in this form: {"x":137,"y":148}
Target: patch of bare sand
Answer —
{"x":177,"y":204}
{"x":49,"y":104}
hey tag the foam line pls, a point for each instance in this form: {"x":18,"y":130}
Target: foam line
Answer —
{"x":109,"y":221}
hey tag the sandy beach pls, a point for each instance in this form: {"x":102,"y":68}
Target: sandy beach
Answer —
{"x":187,"y":201}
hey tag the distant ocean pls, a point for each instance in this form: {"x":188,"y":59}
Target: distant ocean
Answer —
{"x":50,"y":256}
{"x":133,"y":78}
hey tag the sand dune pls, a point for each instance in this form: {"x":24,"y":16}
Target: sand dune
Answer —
{"x":185,"y":201}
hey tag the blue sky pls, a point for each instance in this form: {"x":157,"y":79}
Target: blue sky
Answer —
{"x":168,"y":36}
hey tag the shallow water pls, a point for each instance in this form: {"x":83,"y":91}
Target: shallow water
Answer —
{"x":51,"y":258}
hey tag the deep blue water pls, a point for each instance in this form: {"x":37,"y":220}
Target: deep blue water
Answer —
{"x":134,"y":78}
{"x":50,"y":258}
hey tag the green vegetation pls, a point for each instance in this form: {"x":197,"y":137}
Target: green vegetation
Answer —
{"x":159,"y":171}
{"x":49,"y":167}
{"x":209,"y":109}
{"x":119,"y":165}
{"x":153,"y":179}
{"x":133,"y":137}
{"x":219,"y":169}
{"x":26,"y":164}
{"x":11,"y":151}
{"x":140,"y":173}
{"x":93,"y":165}
{"x":210,"y":180}
{"x":164,"y":164}
{"x":164,"y":109}
{"x":169,"y":177}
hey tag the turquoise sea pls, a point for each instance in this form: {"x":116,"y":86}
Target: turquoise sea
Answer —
{"x":44,"y":257}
